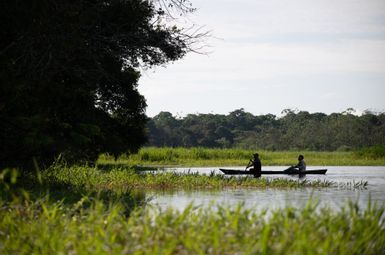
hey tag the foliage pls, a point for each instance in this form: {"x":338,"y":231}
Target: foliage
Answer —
{"x":69,"y":73}
{"x":293,"y":131}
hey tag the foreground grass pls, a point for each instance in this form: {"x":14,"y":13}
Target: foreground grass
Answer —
{"x":125,"y":179}
{"x":44,"y":227}
{"x":87,"y":210}
{"x":226,"y":157}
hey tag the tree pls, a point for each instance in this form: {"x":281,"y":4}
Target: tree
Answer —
{"x":163,"y":130}
{"x":296,"y":130}
{"x":69,"y":74}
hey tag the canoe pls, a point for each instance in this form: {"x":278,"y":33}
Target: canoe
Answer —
{"x":291,"y":172}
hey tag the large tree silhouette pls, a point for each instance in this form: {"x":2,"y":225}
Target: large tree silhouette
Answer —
{"x":69,"y":75}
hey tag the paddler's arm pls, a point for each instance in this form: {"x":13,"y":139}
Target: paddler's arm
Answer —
{"x":249,"y":164}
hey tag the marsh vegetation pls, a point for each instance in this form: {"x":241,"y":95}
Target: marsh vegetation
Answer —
{"x":103,"y":209}
{"x":199,"y":156}
{"x":39,"y":223}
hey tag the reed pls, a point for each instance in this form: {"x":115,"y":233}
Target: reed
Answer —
{"x":151,"y":156}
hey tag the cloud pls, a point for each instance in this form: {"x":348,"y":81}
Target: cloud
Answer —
{"x":246,"y":61}
{"x":273,"y":49}
{"x":231,"y":19}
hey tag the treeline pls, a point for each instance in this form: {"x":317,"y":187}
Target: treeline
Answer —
{"x":293,"y":131}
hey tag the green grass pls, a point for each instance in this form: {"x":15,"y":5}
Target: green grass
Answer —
{"x":126,"y":179}
{"x":93,"y":210}
{"x":151,"y":156}
{"x":374,"y":152}
{"x":45,"y":227}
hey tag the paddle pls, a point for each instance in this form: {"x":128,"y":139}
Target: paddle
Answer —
{"x":248,"y":164}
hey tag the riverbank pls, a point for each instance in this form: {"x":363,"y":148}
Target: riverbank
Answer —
{"x":188,"y":157}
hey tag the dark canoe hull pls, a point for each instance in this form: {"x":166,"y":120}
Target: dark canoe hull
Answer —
{"x":239,"y":172}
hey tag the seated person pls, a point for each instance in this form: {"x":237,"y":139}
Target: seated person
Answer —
{"x":255,"y":165}
{"x":301,"y":166}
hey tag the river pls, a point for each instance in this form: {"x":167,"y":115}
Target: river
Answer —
{"x":269,"y":198}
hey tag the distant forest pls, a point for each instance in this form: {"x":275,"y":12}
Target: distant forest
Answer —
{"x":295,"y":130}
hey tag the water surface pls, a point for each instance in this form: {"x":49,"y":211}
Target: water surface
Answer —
{"x":335,"y":197}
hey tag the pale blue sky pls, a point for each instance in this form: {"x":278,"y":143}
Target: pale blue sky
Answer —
{"x":266,"y":56}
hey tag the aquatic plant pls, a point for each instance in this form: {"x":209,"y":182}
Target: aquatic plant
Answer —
{"x":123,"y":179}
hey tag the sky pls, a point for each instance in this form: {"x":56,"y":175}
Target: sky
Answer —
{"x":267,"y":56}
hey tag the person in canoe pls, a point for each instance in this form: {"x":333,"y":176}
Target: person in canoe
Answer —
{"x":255,"y":165}
{"x":301,"y":166}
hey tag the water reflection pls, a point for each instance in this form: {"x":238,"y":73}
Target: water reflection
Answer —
{"x":334,"y":197}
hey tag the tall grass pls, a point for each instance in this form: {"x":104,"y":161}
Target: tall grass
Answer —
{"x":86,"y":210}
{"x":225,"y":157}
{"x":373,"y":153}
{"x":124,"y":180}
{"x":19,"y":187}
{"x":43,"y":227}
